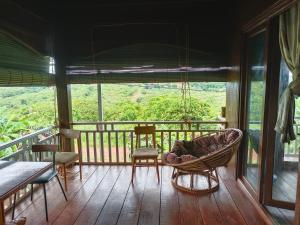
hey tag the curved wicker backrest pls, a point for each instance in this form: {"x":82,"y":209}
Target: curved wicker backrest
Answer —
{"x":215,"y":159}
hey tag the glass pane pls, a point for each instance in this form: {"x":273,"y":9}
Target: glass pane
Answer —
{"x":84,"y":102}
{"x":255,"y":102}
{"x":286,"y":156}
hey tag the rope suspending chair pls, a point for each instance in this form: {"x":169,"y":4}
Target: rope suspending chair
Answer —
{"x":202,"y":156}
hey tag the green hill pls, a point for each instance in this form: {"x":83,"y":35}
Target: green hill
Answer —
{"x":24,"y":109}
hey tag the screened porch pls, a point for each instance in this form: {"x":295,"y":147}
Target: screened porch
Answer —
{"x":78,"y":80}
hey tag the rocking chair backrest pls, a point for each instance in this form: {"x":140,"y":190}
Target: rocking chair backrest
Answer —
{"x":46,"y":148}
{"x":144,"y":130}
{"x":71,"y":135}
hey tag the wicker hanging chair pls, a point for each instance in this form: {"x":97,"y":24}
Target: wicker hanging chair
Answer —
{"x":206,"y":165}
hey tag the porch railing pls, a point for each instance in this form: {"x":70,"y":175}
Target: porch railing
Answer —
{"x":106,"y":142}
{"x":113,"y":142}
{"x":20,"y":148}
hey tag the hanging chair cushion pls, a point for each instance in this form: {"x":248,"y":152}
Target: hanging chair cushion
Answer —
{"x":183,"y":151}
{"x":172,"y":158}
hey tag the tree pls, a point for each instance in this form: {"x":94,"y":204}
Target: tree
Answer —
{"x":84,"y":110}
{"x":9,"y":130}
{"x":170,"y":108}
{"x":123,"y":111}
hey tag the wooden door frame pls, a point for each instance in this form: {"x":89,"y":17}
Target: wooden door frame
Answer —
{"x":274,"y":58}
{"x":269,"y":20}
{"x":297,"y":205}
{"x":243,"y":111}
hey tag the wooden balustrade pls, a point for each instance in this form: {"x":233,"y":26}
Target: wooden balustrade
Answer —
{"x":291,"y":150}
{"x":113,"y":142}
{"x":106,"y":142}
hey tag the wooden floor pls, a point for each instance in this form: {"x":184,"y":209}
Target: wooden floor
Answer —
{"x":106,"y":196}
{"x":284,"y":185}
{"x":284,"y":188}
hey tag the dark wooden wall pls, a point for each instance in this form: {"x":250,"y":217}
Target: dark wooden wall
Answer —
{"x":248,"y":14}
{"x":26,"y":26}
{"x":209,"y":22}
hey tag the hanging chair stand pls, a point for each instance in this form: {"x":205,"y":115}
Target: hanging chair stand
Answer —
{"x":210,"y":175}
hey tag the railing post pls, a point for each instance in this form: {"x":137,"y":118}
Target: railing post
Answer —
{"x":100,"y":107}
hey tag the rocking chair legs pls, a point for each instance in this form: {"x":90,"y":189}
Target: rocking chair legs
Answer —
{"x":14,"y":205}
{"x":157,"y":170}
{"x":192,"y":181}
{"x":133,"y":169}
{"x":45,"y":195}
{"x":45,"y":198}
{"x":63,"y":173}
{"x":134,"y":165}
{"x":31,"y":192}
{"x":208,"y":179}
{"x":61,"y":187}
{"x":65,"y":176}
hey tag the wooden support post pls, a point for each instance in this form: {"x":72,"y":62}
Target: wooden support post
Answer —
{"x":63,"y":89}
{"x":297,"y":208}
{"x":100,"y":103}
{"x":63,"y":100}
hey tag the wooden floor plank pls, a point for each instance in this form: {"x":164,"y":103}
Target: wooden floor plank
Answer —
{"x":278,"y":216}
{"x":74,"y":183}
{"x":132,"y":205}
{"x":95,"y":204}
{"x":106,"y":196}
{"x":189,"y":209}
{"x":209,"y":210}
{"x":288,"y":215}
{"x":112,"y":209}
{"x":229,"y":212}
{"x":169,"y":199}
{"x":150,"y":209}
{"x":242,"y":200}
{"x":70,"y":213}
{"x":283,"y":190}
{"x":56,"y":201}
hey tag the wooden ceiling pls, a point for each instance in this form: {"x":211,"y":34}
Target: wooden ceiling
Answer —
{"x":116,"y":23}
